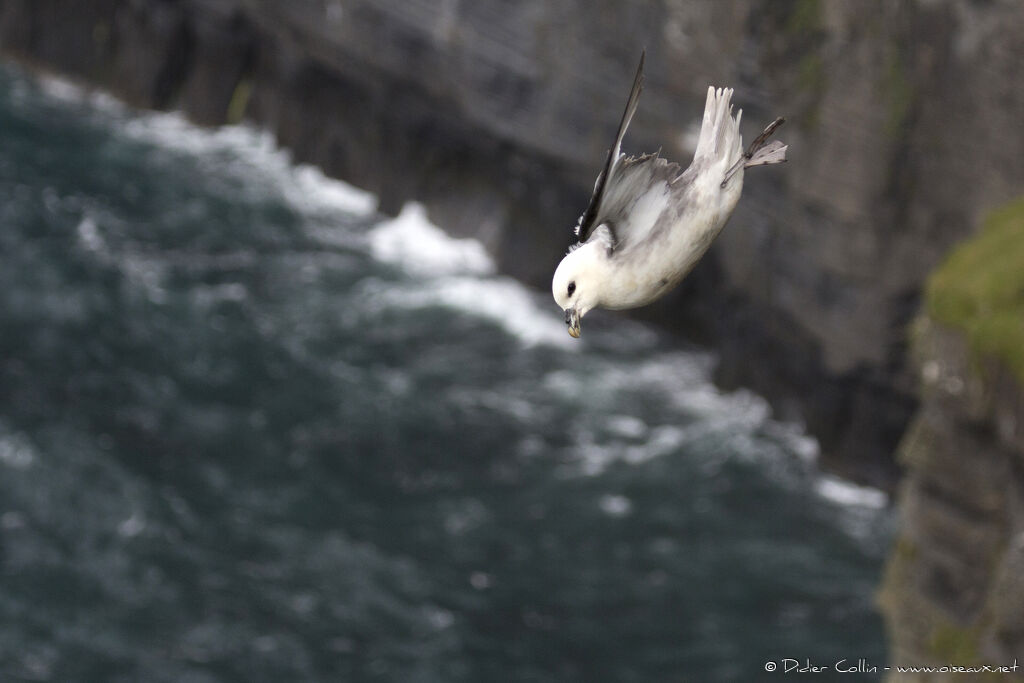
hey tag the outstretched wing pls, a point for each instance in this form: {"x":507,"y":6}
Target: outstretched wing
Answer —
{"x":588,"y":221}
{"x":636,"y":201}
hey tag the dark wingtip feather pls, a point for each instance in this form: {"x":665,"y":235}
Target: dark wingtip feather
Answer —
{"x":588,"y":219}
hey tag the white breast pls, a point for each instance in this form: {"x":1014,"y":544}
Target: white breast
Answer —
{"x":649,"y":271}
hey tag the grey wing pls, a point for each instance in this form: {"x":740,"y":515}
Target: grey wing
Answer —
{"x":589,"y":220}
{"x":647,"y":177}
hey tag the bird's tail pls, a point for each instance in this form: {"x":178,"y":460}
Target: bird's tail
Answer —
{"x":720,"y":143}
{"x":719,"y":140}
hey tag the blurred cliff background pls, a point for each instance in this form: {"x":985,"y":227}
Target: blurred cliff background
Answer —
{"x":833,"y":291}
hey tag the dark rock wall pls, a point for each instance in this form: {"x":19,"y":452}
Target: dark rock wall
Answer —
{"x":904,"y":128}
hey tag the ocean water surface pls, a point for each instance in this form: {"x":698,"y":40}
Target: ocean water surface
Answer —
{"x":251,"y":430}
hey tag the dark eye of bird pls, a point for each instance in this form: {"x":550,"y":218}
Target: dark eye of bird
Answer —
{"x":572,"y":288}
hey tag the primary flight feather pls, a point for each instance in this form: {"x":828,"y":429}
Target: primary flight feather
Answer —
{"x":648,"y":223}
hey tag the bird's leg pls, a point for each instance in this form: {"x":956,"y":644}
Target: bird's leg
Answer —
{"x":759,"y":141}
{"x":756,"y":145}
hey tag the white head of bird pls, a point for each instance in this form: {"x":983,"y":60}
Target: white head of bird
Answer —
{"x":577,"y":283}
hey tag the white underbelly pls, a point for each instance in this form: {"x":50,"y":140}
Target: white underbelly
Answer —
{"x":654,"y":269}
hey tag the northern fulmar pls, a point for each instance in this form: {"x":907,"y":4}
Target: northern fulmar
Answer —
{"x":648,"y":223}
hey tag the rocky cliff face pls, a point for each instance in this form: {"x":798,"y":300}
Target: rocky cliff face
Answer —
{"x":496,"y":115}
{"x":954,"y":589}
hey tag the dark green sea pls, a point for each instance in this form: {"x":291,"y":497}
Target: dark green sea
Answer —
{"x":251,"y":430}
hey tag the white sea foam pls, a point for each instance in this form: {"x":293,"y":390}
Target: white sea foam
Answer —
{"x":16,"y":451}
{"x":663,"y":440}
{"x":593,"y":453}
{"x":238,"y":149}
{"x":89,"y":236}
{"x":627,"y":426}
{"x":132,"y":526}
{"x":681,"y":381}
{"x":847,"y":493}
{"x":254,"y":155}
{"x":421,"y":248}
{"x":61,"y":88}
{"x":615,"y":505}
{"x":507,"y":303}
{"x":680,"y":378}
{"x":330,"y":192}
{"x":498,"y":299}
{"x":860,"y":510}
{"x":796,"y":439}
{"x":67,"y":91}
{"x":458,"y":272}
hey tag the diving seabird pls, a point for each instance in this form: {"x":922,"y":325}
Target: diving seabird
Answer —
{"x":648,"y":224}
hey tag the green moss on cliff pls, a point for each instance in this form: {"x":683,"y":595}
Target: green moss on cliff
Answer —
{"x":804,"y":30}
{"x":951,"y":643}
{"x":812,"y":80}
{"x":960,"y":645}
{"x":239,"y":101}
{"x":899,"y":95}
{"x":805,"y":17}
{"x":980,"y":288}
